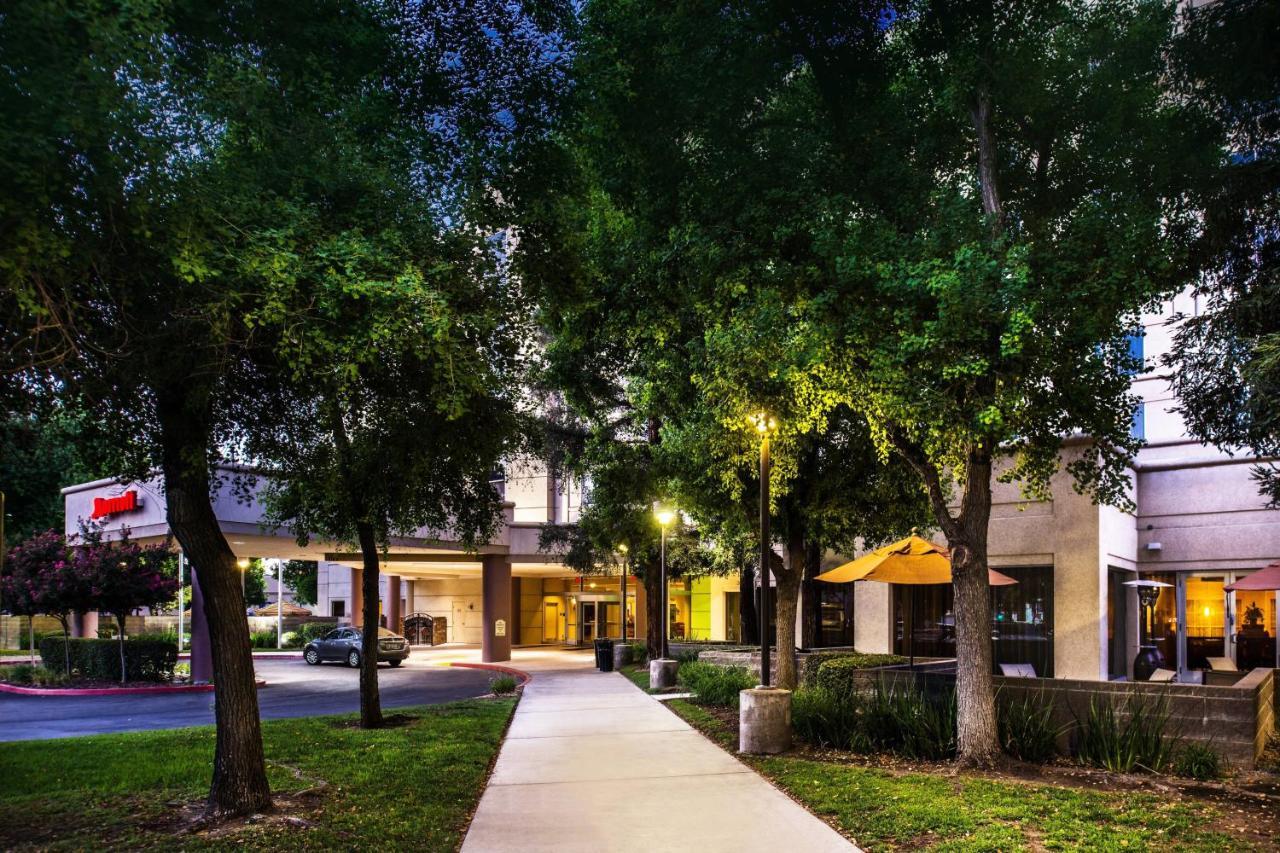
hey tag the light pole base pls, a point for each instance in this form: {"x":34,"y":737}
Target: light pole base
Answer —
{"x":662,"y":673}
{"x":764,"y":721}
{"x":621,"y":655}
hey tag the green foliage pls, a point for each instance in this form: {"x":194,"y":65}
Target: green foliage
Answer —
{"x":309,"y":631}
{"x":23,"y":673}
{"x":829,"y":718}
{"x":845,"y":674}
{"x":1225,"y":362}
{"x":715,"y":685}
{"x":302,"y":576}
{"x":99,"y":660}
{"x":255,"y":584}
{"x":39,"y":455}
{"x":1198,"y":761}
{"x":502,"y":685}
{"x":1123,"y":735}
{"x":639,"y":652}
{"x":1027,"y":730}
{"x":901,"y":719}
{"x":263,"y":639}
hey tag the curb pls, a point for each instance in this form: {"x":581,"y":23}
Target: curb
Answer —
{"x":524,"y":677}
{"x":110,"y":691}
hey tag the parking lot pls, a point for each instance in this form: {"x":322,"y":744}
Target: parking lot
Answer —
{"x":293,"y":689}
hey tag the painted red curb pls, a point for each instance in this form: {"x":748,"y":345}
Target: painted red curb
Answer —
{"x":524,"y":677}
{"x":110,"y":691}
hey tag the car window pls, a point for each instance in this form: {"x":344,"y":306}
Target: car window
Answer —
{"x":333,"y":635}
{"x":348,"y":634}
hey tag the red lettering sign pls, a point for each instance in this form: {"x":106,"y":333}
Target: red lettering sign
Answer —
{"x":103,"y":507}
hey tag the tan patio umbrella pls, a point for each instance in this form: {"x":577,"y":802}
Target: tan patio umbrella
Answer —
{"x":912,"y":561}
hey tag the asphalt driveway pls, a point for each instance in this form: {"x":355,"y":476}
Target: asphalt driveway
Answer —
{"x":293,"y":690}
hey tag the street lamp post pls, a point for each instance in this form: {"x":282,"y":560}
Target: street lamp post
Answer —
{"x":622,"y":549}
{"x":665,"y":517}
{"x":764,"y":424}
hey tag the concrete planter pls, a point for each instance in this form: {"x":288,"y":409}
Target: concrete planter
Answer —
{"x":662,"y":674}
{"x":764,"y":721}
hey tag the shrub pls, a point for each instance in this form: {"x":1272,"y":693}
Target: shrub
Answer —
{"x":1270,"y":759}
{"x":23,"y":673}
{"x":1198,"y":761}
{"x":182,"y":671}
{"x":309,"y":631}
{"x":165,"y":635}
{"x":292,"y":640}
{"x":503,"y":685}
{"x":1026,"y":727}
{"x":826,"y":718}
{"x":687,"y":656}
{"x":639,"y":652}
{"x":24,"y":638}
{"x":263,"y":639}
{"x":145,"y":660}
{"x":43,"y":677}
{"x":715,"y":685}
{"x":1126,"y":735}
{"x":846,"y":674}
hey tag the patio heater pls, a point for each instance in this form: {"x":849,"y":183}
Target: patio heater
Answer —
{"x":1149,"y":658}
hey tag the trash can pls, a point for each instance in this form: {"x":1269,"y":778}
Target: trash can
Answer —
{"x":604,"y":654}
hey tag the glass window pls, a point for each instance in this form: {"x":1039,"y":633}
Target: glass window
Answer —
{"x":835,"y":614}
{"x":338,"y":608}
{"x":923,"y":620}
{"x":1163,"y":629}
{"x":1023,"y":619}
{"x":1255,"y":628}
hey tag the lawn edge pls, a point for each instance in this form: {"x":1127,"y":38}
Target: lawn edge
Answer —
{"x":493,"y":761}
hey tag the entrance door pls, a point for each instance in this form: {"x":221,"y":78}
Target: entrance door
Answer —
{"x":551,"y":622}
{"x":588,"y":622}
{"x":733,"y":617}
{"x":1206,"y":620}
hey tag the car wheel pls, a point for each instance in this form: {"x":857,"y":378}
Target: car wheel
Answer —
{"x":353,"y":659}
{"x":395,"y":663}
{"x":311,"y":656}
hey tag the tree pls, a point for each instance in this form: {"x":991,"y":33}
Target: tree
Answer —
{"x":255,"y":584}
{"x":122,"y":577}
{"x":302,"y":576}
{"x":949,"y":213}
{"x":1225,"y":362}
{"x":39,"y":577}
{"x":40,"y":454}
{"x":146,"y":208}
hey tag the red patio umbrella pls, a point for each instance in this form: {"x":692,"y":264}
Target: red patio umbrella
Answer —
{"x":1262,"y":579}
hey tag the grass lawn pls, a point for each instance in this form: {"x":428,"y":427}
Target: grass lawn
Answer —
{"x":887,"y":809}
{"x":410,"y":786}
{"x":638,"y":673}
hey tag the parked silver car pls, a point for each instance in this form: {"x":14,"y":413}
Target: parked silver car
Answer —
{"x":344,"y":645}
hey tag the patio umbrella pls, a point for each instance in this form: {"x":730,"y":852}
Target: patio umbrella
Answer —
{"x":1267,"y":578}
{"x":912,"y":561}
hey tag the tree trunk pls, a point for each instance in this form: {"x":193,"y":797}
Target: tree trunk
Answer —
{"x":653,"y":621}
{"x":810,"y":598}
{"x":370,"y":699}
{"x":120,"y":645}
{"x":747,"y":606}
{"x":66,"y":642}
{"x":786,"y":596}
{"x":978,"y":740}
{"x":239,"y":770}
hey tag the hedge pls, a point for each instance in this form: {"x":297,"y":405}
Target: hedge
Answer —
{"x":145,"y":659}
{"x":846,"y":673}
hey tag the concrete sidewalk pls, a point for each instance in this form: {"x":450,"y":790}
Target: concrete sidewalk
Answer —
{"x":593,"y":764}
